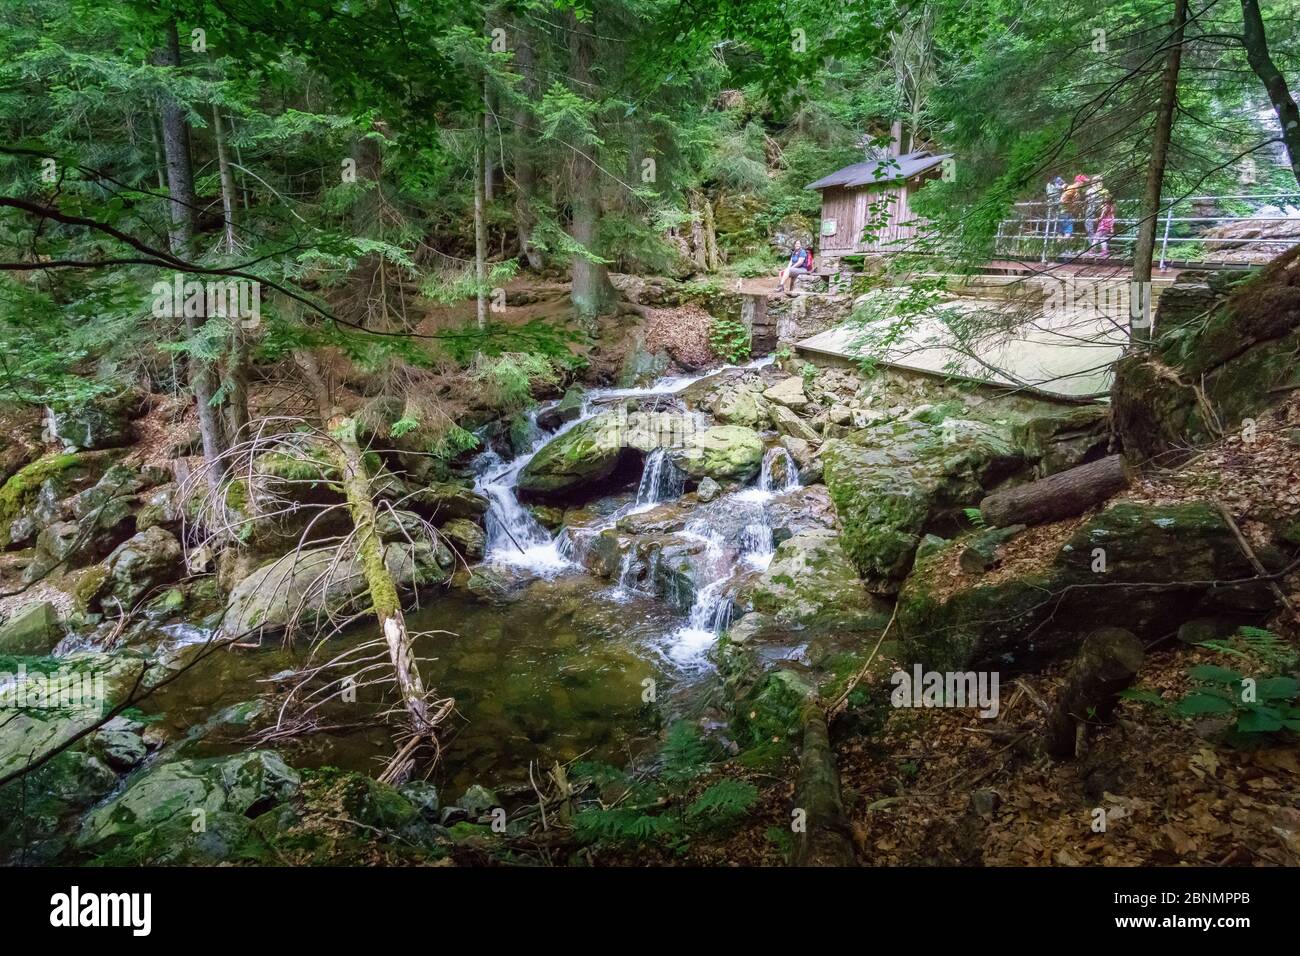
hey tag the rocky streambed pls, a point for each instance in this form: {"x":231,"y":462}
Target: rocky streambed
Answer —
{"x":716,"y":548}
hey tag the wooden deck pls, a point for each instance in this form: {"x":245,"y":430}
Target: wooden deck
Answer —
{"x":1064,"y":358}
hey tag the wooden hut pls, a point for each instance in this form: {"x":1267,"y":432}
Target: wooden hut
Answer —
{"x":873,"y":193}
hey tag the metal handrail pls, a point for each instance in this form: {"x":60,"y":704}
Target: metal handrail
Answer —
{"x":1013,"y":229}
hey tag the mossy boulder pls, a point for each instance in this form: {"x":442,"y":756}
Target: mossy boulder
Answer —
{"x":466,"y":537}
{"x":584,"y":459}
{"x":1223,"y":353}
{"x":304,"y":584}
{"x":33,"y":496}
{"x":446,"y":500}
{"x":723,"y":453}
{"x":568,"y":408}
{"x":37,"y":812}
{"x":811,"y":586}
{"x":141,"y":563}
{"x":738,"y":405}
{"x":187,"y":794}
{"x":59,"y":699}
{"x":102,"y":422}
{"x":1143,"y":567}
{"x":31,"y":631}
{"x":891,"y":483}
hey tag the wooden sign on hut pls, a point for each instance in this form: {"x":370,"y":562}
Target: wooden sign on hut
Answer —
{"x":865,"y":206}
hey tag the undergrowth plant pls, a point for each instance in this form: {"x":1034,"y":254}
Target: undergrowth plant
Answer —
{"x":1258,"y":706}
{"x":659,"y":810}
{"x":729,"y":340}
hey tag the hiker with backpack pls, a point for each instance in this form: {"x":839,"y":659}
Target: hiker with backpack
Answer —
{"x":801,"y":264}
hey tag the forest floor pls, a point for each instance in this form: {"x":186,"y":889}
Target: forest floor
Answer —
{"x":946,"y":787}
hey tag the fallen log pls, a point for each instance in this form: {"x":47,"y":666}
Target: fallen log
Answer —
{"x":1107,"y":663}
{"x":422,"y":720}
{"x":1062,"y":495}
{"x":826,"y":838}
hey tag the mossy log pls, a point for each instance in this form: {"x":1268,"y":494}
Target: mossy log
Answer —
{"x":350,"y":462}
{"x":826,"y":838}
{"x":1062,"y":495}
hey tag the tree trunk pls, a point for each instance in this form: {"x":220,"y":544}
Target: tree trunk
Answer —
{"x":237,"y":366}
{"x":180,"y":184}
{"x":1062,"y":495}
{"x":379,"y":582}
{"x":592,"y":292}
{"x":480,"y":239}
{"x":1144,"y":247}
{"x":699,"y":247}
{"x":1107,"y":663}
{"x":227,"y":179}
{"x":525,"y":178}
{"x":1256,"y":44}
{"x":710,"y":235}
{"x":489,"y":167}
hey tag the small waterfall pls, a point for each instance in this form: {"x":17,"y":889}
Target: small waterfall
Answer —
{"x":778,"y":460}
{"x":515,"y":537}
{"x":661,"y":480}
{"x":509,"y":525}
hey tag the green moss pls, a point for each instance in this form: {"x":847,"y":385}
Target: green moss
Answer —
{"x":89,"y":583}
{"x":24,"y":484}
{"x":772,"y":711}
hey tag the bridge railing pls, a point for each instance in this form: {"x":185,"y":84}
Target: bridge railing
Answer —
{"x":1039,"y":228}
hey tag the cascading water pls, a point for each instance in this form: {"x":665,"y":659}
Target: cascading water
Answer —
{"x":515,"y":538}
{"x":513,"y":535}
{"x":789,"y":470}
{"x":660,"y":481}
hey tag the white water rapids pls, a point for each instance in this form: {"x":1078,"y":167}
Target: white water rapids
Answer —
{"x":516,"y":539}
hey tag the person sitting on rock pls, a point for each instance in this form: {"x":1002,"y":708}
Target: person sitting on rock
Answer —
{"x":801,"y":264}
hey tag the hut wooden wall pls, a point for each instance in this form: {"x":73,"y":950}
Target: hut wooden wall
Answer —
{"x":886,"y":209}
{"x":841,"y":205}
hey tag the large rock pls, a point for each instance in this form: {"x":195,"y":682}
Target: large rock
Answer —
{"x":565,"y":410}
{"x":33,"y":630}
{"x":37,"y":494}
{"x":737,"y":405}
{"x":723,"y":452}
{"x":811,"y":585}
{"x":892,"y":482}
{"x":87,"y":685}
{"x":189,"y":790}
{"x":141,"y":563}
{"x":1210,"y":373}
{"x":300,"y":584}
{"x":445,"y":500}
{"x":466,"y":537}
{"x":785,"y":421}
{"x":1143,"y":567}
{"x":304,"y":584}
{"x":788,"y":392}
{"x":103,"y":422}
{"x":587,"y":456}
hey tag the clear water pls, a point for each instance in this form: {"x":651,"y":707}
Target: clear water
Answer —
{"x":560,"y":664}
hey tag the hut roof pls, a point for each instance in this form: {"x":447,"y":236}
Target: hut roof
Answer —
{"x":881,"y":171}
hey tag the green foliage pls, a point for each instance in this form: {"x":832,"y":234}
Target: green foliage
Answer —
{"x":683,"y":758}
{"x":402,"y":426}
{"x":509,"y":379}
{"x":975,"y":517}
{"x":1256,"y":706}
{"x":729,"y":340}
